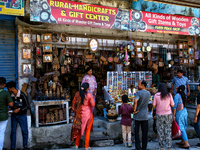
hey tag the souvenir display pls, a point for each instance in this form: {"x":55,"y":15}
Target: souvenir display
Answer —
{"x":64,"y":37}
{"x":94,"y":45}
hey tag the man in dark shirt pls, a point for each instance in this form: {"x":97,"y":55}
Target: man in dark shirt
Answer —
{"x":19,"y":114}
{"x":197,"y":117}
{"x":5,"y":101}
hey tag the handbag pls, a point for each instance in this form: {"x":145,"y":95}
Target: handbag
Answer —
{"x":180,"y":105}
{"x":176,"y":132}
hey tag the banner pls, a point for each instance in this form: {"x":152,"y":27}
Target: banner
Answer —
{"x":163,"y":23}
{"x":81,"y":14}
{"x":149,"y":6}
{"x":12,"y":7}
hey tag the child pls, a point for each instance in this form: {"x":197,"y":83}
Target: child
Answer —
{"x":125,"y":111}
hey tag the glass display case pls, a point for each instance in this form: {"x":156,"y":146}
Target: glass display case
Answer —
{"x":192,"y":99}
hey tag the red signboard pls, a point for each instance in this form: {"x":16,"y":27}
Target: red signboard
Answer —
{"x":81,"y":14}
{"x":163,"y":23}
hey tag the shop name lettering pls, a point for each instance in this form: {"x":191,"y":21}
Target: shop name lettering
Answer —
{"x":87,"y":8}
{"x":167,"y":20}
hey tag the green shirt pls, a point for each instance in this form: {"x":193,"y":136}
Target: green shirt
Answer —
{"x":5,"y":98}
{"x":156,"y":79}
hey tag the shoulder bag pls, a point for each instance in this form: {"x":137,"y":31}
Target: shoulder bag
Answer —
{"x":180,"y":106}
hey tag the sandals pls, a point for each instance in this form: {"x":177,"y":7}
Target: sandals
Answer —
{"x":74,"y":147}
{"x":184,"y":147}
{"x":179,"y":144}
{"x":88,"y":148}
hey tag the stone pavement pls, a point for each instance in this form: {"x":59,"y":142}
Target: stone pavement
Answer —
{"x":151,"y":146}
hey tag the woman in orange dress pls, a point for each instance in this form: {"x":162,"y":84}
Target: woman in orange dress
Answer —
{"x":82,"y":103}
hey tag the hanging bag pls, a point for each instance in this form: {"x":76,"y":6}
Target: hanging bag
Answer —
{"x":176,"y":132}
{"x":180,"y":106}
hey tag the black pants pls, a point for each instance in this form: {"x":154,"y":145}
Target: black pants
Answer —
{"x":144,"y":127}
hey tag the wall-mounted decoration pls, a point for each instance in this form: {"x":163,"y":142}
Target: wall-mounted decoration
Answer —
{"x":47,"y":37}
{"x":180,"y":53}
{"x":138,"y":49}
{"x":191,"y":62}
{"x":55,"y":37}
{"x":26,"y":53}
{"x":185,"y":53}
{"x":139,"y":55}
{"x":185,"y":46}
{"x":26,"y":38}
{"x":196,"y":55}
{"x":38,"y":63}
{"x":181,"y":61}
{"x":191,"y":51}
{"x":38,"y":36}
{"x":138,"y":43}
{"x":190,"y":40}
{"x":27,"y":68}
{"x":64,"y":37}
{"x":47,"y":48}
{"x":185,"y":61}
{"x":94,"y":45}
{"x":38,"y":51}
{"x":132,"y":54}
{"x":180,"y":45}
{"x":47,"y":58}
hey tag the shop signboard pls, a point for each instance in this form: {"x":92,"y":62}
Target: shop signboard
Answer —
{"x":81,"y":14}
{"x":12,"y":7}
{"x":163,"y":23}
{"x":149,"y":6}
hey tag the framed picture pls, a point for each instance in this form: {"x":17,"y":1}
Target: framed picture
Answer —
{"x":191,"y":62}
{"x":47,"y":37}
{"x":138,"y":49}
{"x":181,"y":61}
{"x":191,"y":51}
{"x":38,"y":37}
{"x":196,"y":55}
{"x":47,"y":58}
{"x":185,"y":53}
{"x":185,"y":61}
{"x":180,"y":45}
{"x":27,"y":68}
{"x":132,"y":54}
{"x":38,"y":51}
{"x":139,"y":55}
{"x":138,"y":43}
{"x":38,"y":63}
{"x":26,"y":38}
{"x":190,"y":40}
{"x":185,"y":46}
{"x":47,"y":47}
{"x":180,"y":53}
{"x":26,"y":53}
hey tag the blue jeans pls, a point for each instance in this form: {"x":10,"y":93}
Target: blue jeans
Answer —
{"x":22,"y":120}
{"x":197,"y":126}
{"x":3,"y":125}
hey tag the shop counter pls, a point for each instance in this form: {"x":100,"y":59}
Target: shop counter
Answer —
{"x":45,"y":105}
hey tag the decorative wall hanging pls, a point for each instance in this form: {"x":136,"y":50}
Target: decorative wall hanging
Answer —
{"x":148,"y":48}
{"x":55,"y":51}
{"x":26,"y":53}
{"x":185,"y":61}
{"x":110,"y":59}
{"x":180,"y":45}
{"x":26,"y":38}
{"x":38,"y":63}
{"x":55,"y":37}
{"x":180,"y":53}
{"x":191,"y":62}
{"x":191,"y":51}
{"x":181,"y":61}
{"x":185,"y":45}
{"x":116,"y":60}
{"x":139,"y":55}
{"x":133,"y":54}
{"x":190,"y":40}
{"x":138,"y":43}
{"x":38,"y":51}
{"x":38,"y":36}
{"x":47,"y":37}
{"x":185,"y":53}
{"x":27,"y":68}
{"x":138,"y":49}
{"x":64,"y":37}
{"x":196,"y":55}
{"x":55,"y":64}
{"x":94,"y":45}
{"x":47,"y":48}
{"x":47,"y":58}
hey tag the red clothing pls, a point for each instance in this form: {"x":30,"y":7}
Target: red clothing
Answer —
{"x":126,"y":110}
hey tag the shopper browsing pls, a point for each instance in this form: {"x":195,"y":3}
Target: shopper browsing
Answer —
{"x":197,"y":117}
{"x":163,"y":102}
{"x":181,"y":115}
{"x":19,"y":114}
{"x":5,"y":101}
{"x":125,"y":111}
{"x":141,"y":115}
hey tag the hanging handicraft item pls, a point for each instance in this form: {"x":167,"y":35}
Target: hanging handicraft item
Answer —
{"x":55,"y":64}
